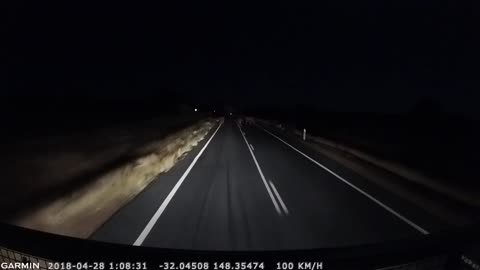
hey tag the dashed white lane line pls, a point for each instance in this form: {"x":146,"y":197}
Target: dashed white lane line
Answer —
{"x":393,"y":267}
{"x":251,"y":146}
{"x":261,"y":175}
{"x":284,"y":207}
{"x":162,"y":207}
{"x":404,"y":219}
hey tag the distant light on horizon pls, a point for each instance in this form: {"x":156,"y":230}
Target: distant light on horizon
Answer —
{"x":195,"y":109}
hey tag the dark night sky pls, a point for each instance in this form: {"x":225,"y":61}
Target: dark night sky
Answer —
{"x":342,"y":55}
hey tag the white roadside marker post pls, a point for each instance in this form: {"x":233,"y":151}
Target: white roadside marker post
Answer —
{"x":304,"y":134}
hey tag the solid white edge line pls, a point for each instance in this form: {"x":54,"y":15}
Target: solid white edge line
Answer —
{"x":162,"y":207}
{"x":252,"y":147}
{"x":261,"y":175}
{"x":404,"y":219}
{"x":285,"y":209}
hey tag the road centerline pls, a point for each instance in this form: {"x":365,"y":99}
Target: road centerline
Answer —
{"x":143,"y":235}
{"x":277,"y":207}
{"x":398,"y":215}
{"x":284,"y":207}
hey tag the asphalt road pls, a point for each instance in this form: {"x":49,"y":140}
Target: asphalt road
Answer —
{"x":247,"y":188}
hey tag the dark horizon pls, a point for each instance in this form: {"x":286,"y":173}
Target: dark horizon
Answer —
{"x":359,"y":57}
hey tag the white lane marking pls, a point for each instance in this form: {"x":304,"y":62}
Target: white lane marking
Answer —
{"x":392,"y":267}
{"x":404,"y":219}
{"x":261,"y":175}
{"x":252,"y":147}
{"x":162,"y":207}
{"x":285,"y":209}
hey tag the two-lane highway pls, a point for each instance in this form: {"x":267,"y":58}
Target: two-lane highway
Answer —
{"x":246,"y":188}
